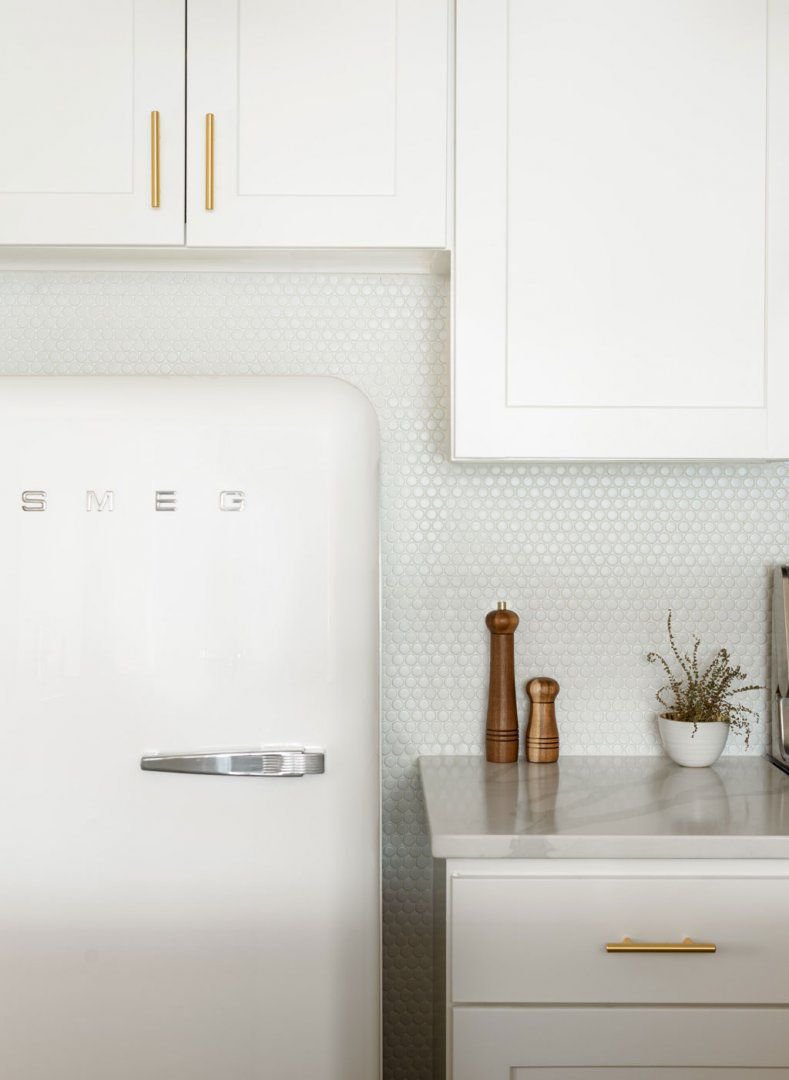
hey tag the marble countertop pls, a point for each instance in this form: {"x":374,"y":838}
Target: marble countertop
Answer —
{"x":606,"y":807}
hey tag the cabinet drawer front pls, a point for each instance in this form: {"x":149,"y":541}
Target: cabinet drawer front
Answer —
{"x":704,"y":1072}
{"x":534,"y":940}
{"x":629,"y":1044}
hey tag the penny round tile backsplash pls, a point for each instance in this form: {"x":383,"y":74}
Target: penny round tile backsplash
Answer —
{"x":590,"y":555}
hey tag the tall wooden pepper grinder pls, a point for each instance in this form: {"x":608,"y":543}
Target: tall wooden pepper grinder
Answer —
{"x":542,"y":733}
{"x":501,"y":733}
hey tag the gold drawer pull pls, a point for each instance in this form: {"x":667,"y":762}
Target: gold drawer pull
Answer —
{"x":686,"y":945}
{"x":209,"y":161}
{"x":155,"y":168}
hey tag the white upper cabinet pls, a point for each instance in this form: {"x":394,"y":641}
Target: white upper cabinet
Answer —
{"x":622,"y":229}
{"x":79,"y":80}
{"x":329,"y":123}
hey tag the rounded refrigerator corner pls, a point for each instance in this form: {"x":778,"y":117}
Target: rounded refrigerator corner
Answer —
{"x":352,"y":405}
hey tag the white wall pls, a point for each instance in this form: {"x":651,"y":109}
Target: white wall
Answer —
{"x":591,"y":556}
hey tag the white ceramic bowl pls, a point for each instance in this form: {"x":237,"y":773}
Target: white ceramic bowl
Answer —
{"x":695,"y":750}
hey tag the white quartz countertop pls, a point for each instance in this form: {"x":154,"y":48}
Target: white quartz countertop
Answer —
{"x":606,"y":807}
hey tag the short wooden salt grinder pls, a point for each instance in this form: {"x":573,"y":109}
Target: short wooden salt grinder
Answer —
{"x":542,"y":733}
{"x":501,"y":733}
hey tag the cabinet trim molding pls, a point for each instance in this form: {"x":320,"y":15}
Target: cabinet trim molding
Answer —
{"x":224,"y":260}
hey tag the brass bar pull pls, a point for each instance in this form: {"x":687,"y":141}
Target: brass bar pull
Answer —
{"x":209,"y":161}
{"x":687,"y":945}
{"x":155,"y":167}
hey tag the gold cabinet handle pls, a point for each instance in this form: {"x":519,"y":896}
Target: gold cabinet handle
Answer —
{"x":155,"y":167}
{"x":209,"y":161}
{"x":687,"y":945}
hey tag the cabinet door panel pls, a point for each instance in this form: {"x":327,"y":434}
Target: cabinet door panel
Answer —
{"x":636,"y":203}
{"x":619,"y":282}
{"x":330,"y":122}
{"x":634,"y":1044}
{"x":80,"y":81}
{"x":50,"y":136}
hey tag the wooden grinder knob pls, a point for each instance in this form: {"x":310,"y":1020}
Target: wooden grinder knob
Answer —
{"x":542,"y":733}
{"x":501,"y":733}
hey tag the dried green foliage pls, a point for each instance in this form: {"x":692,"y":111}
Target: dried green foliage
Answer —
{"x":700,"y":696}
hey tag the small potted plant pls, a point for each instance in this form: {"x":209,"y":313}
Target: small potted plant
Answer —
{"x":699,"y":706}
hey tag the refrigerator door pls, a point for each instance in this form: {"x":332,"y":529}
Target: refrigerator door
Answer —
{"x":188,"y":582}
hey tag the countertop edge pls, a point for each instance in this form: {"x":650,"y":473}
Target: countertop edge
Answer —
{"x":484,"y":802}
{"x":614,"y":847}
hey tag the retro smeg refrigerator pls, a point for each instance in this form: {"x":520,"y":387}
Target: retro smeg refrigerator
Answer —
{"x":189,"y":823}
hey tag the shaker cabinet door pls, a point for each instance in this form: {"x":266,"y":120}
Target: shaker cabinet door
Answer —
{"x":328,"y":123}
{"x":622,"y":229}
{"x":79,"y":81}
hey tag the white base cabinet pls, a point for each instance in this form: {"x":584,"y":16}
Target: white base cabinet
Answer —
{"x":527,"y":989}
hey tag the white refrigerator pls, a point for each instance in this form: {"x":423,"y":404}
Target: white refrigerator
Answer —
{"x":189,"y":786}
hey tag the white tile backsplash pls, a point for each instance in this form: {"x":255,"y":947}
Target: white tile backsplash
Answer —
{"x":591,"y":556}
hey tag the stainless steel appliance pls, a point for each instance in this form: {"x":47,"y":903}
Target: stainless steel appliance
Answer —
{"x":779,"y":675}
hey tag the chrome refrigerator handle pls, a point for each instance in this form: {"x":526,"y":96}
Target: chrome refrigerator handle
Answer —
{"x":267,"y":762}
